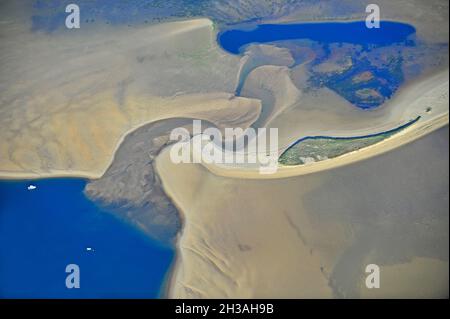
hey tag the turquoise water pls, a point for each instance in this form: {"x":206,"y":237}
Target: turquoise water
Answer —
{"x":44,"y":230}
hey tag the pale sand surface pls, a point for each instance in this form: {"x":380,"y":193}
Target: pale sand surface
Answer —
{"x":426,"y":16}
{"x":312,"y":235}
{"x":68,"y":99}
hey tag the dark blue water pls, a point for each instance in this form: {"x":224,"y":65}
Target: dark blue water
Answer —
{"x":322,"y":137}
{"x":43,"y":230}
{"x":378,"y":51}
{"x":326,"y":32}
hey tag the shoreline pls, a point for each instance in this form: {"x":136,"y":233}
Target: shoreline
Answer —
{"x":415,"y":131}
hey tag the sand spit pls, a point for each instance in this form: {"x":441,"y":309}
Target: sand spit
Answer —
{"x":247,"y":238}
{"x":242,"y":237}
{"x":257,"y":55}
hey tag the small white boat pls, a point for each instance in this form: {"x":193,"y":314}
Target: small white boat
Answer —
{"x":31,"y":187}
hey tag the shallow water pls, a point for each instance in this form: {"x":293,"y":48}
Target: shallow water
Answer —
{"x":43,"y":230}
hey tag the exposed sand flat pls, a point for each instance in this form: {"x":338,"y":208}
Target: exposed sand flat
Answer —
{"x":309,"y":236}
{"x":429,"y":17}
{"x":69,"y":98}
